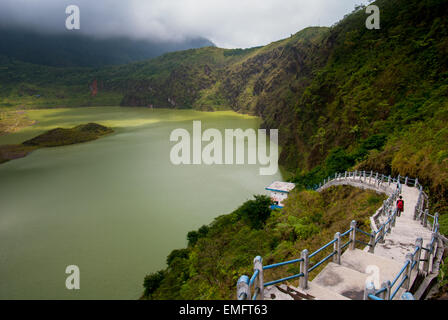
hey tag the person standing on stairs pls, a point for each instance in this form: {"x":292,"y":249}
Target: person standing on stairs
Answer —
{"x":400,"y":206}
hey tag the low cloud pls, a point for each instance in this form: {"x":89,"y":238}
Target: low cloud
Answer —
{"x":227,"y":23}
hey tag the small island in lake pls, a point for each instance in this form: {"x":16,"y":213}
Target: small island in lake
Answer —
{"x":54,"y":138}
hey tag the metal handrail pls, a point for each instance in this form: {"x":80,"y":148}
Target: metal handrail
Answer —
{"x":322,"y":248}
{"x":399,"y":274}
{"x":373,"y":297}
{"x":364,"y":243}
{"x":254,"y":276}
{"x":346,"y":244}
{"x":272,"y":266}
{"x":267,"y":284}
{"x":346,"y":232}
{"x":322,"y":261}
{"x":366,"y":233}
{"x":392,"y":296}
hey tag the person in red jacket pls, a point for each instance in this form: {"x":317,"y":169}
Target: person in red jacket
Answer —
{"x":400,"y":206}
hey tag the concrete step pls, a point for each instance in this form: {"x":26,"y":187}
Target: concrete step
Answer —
{"x":360,"y":261}
{"x":321,"y":293}
{"x":342,"y":280}
{"x":288,"y":292}
{"x":388,"y":269}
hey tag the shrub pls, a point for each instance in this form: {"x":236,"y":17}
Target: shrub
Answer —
{"x":177,"y":254}
{"x":305,"y":231}
{"x":255,"y":212}
{"x":194,"y":236}
{"x":152,"y":282}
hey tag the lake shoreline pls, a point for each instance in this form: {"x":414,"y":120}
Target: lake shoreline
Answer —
{"x":54,"y":138}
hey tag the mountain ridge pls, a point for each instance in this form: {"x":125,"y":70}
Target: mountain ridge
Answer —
{"x":71,"y":49}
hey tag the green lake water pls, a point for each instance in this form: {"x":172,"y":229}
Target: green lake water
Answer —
{"x":115,"y":207}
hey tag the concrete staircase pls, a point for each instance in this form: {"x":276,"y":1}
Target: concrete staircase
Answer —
{"x":347,"y":281}
{"x":340,"y":282}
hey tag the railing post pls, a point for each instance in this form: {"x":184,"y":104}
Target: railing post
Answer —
{"x":394,"y":217}
{"x":242,"y":288}
{"x":425,"y":218}
{"x":433,"y":252}
{"x":427,"y":258}
{"x":389,"y":230}
{"x":372,"y":242}
{"x":422,"y":203}
{"x":419,"y":244}
{"x":417,"y":207}
{"x":370,"y":178}
{"x":353,"y":235}
{"x":407,"y":282}
{"x":383,"y":234}
{"x":407,"y":296}
{"x":406,"y":181}
{"x":376,"y":178}
{"x":369,"y":289}
{"x":345,"y":176}
{"x":416,"y":182}
{"x":435,"y":222}
{"x":388,"y":179}
{"x":337,"y":248}
{"x":258,"y":265}
{"x":386,"y":294}
{"x":303,"y":282}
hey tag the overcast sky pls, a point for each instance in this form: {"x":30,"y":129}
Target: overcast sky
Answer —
{"x":227,"y":23}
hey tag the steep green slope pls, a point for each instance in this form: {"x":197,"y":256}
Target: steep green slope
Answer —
{"x":207,"y":78}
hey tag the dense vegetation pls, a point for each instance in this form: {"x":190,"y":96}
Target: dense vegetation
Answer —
{"x":219,"y":253}
{"x":54,"y":138}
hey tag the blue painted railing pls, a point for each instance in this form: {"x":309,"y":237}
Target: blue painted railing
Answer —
{"x":256,"y":281}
